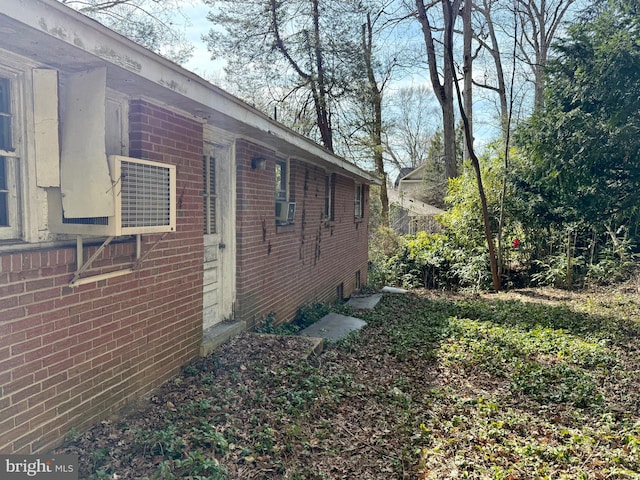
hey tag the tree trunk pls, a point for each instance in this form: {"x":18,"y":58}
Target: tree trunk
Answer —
{"x":316,"y":82}
{"x":322,"y":109}
{"x":444,"y":89}
{"x":375,"y":97}
{"x":467,"y":71}
{"x":475,"y":162}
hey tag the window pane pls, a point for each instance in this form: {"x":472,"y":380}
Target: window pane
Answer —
{"x":328,"y":196}
{"x":4,"y":193}
{"x":281,"y":181}
{"x":358,"y":201}
{"x":5,"y":114}
{"x":5,"y":98}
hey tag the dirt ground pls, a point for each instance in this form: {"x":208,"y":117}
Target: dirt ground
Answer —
{"x":275,"y":412}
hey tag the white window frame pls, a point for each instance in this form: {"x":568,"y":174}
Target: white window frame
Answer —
{"x":12,"y":157}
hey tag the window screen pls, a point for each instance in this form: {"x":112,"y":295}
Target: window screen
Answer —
{"x":209,"y":195}
{"x":5,"y":144}
{"x":4,"y":193}
{"x":5,"y":114}
{"x":329,"y":195}
{"x":358,"y":200}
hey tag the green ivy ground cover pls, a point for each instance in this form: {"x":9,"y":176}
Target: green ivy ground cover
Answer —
{"x":534,"y":384}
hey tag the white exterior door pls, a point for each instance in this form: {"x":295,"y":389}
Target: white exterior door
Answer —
{"x":219,"y":232}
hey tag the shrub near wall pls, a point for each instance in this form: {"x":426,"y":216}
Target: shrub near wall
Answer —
{"x":71,"y":356}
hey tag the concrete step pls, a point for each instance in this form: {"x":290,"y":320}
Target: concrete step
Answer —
{"x":216,"y":335}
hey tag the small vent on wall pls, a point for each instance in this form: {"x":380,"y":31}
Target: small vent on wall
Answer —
{"x":340,"y":292}
{"x":358,"y":281}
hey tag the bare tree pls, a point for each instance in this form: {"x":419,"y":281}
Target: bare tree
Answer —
{"x":542,"y":21}
{"x":414,"y":118}
{"x":368,"y":124}
{"x":303,"y":53}
{"x":158,"y":25}
{"x":467,"y":70}
{"x":487,"y":36}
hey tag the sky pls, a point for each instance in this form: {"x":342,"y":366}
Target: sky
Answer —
{"x":200,"y":63}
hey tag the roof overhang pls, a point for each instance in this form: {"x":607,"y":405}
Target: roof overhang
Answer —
{"x":55,"y":35}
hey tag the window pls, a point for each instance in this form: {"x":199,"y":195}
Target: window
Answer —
{"x":329,"y":197}
{"x":117,"y":124}
{"x":359,"y":201}
{"x":282,"y":179}
{"x":9,"y":227}
{"x":285,"y":211}
{"x":209,"y":195}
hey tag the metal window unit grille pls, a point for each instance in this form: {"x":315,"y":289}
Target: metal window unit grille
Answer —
{"x":86,"y":221}
{"x":146,"y":195}
{"x":144,"y":201}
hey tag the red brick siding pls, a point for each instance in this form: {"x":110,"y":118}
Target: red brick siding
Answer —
{"x":70,"y":356}
{"x":281,"y":268}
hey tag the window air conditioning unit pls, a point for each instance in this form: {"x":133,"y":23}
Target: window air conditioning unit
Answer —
{"x":144,"y":196}
{"x":285,"y":212}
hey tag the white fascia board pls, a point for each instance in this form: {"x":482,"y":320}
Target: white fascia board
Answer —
{"x":79,"y":31}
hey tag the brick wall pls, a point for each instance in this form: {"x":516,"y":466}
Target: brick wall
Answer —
{"x":282,"y":268}
{"x":70,"y":356}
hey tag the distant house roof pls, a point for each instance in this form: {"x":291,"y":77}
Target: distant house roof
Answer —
{"x":414,"y":207}
{"x":404,"y":171}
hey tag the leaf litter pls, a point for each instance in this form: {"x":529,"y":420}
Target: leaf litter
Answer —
{"x":532,"y":384}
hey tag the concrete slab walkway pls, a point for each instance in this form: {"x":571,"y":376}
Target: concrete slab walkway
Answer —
{"x":388,"y":289}
{"x":333,"y":327}
{"x":368,"y":302}
{"x":336,"y":327}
